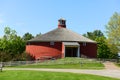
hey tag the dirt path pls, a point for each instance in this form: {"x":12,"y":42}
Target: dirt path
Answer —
{"x":110,"y":71}
{"x":110,"y":66}
{"x":105,"y":72}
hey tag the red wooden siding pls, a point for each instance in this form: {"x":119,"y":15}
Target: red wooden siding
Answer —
{"x":44,"y":49}
{"x":90,"y":50}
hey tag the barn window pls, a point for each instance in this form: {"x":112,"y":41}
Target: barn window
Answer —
{"x":28,"y":43}
{"x":84,"y":43}
{"x":52,"y":43}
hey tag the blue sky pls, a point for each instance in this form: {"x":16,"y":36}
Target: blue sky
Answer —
{"x":35,"y":16}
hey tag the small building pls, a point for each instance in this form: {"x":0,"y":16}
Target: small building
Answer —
{"x":61,"y":42}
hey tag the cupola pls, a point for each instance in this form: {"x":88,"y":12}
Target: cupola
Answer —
{"x":61,"y":23}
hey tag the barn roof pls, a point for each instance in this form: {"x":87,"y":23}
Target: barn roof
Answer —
{"x":61,"y":34}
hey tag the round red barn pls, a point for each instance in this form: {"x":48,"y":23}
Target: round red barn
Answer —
{"x":61,"y":42}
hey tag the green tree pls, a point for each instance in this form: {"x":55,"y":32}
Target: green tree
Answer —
{"x":9,"y":33}
{"x":38,"y":34}
{"x":11,"y":45}
{"x":103,"y":49}
{"x":93,"y":35}
{"x":27,"y":36}
{"x":113,"y":32}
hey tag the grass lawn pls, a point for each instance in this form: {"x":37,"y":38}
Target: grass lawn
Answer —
{"x":118,"y":64}
{"x":67,"y":63}
{"x":40,"y":75}
{"x":65,"y":66}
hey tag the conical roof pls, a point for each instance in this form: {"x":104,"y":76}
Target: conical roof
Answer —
{"x":62,"y":35}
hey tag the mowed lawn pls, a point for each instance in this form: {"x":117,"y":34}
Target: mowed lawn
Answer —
{"x":40,"y":75}
{"x":66,"y":63}
{"x":118,"y":64}
{"x":65,"y":66}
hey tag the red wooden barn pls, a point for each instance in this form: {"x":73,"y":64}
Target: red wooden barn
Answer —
{"x":61,"y":42}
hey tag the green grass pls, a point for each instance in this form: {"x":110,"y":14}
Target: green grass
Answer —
{"x":67,"y":63}
{"x":40,"y":75}
{"x":118,"y":64}
{"x":65,"y":66}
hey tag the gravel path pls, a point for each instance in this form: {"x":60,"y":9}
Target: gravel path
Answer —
{"x":110,"y":66}
{"x":110,"y":71}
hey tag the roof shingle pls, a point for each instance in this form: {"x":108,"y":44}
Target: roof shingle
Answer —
{"x":61,"y":34}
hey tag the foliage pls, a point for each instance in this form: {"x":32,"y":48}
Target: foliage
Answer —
{"x":11,"y":45}
{"x":93,"y":35}
{"x":26,"y":57}
{"x":38,"y":34}
{"x":44,"y":75}
{"x":114,"y":49}
{"x":27,"y":36}
{"x":103,"y":49}
{"x":4,"y":56}
{"x":9,"y":34}
{"x":113,"y":32}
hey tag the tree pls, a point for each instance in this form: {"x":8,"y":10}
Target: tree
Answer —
{"x":38,"y":34}
{"x":11,"y":45}
{"x":93,"y":35}
{"x":113,"y":32}
{"x":103,"y":49}
{"x":9,"y":33}
{"x":27,"y":36}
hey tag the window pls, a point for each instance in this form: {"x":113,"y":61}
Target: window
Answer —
{"x":84,"y":43}
{"x":28,"y":43}
{"x":51,"y":43}
{"x":60,"y":22}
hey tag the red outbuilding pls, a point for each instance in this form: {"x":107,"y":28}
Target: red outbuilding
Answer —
{"x":61,"y":42}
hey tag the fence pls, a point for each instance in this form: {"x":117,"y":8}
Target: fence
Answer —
{"x":111,"y":60}
{"x":51,"y":62}
{"x":17,"y":63}
{"x":64,"y":61}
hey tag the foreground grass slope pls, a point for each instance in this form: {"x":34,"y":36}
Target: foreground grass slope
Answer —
{"x":118,"y":64}
{"x":40,"y":75}
{"x":67,"y":63}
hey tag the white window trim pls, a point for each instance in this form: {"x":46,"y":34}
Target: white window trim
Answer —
{"x":84,"y":44}
{"x":52,"y":43}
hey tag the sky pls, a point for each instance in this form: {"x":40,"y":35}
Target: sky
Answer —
{"x":41,"y":16}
